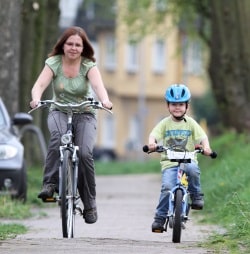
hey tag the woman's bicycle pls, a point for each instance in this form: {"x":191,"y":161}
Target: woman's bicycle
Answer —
{"x":179,"y":197}
{"x":68,"y":197}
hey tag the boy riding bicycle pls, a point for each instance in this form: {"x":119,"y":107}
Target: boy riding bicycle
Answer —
{"x":181,"y":133}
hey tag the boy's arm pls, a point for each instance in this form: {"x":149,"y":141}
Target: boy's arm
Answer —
{"x":206,"y":146}
{"x":152,"y":143}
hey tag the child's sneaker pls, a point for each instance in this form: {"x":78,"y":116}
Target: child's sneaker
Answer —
{"x":197,"y":201}
{"x":158,"y":225}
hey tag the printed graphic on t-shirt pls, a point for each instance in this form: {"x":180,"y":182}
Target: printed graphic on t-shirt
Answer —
{"x":177,"y":139}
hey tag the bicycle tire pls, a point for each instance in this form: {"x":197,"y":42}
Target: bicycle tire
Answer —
{"x":177,"y":220}
{"x":67,"y":197}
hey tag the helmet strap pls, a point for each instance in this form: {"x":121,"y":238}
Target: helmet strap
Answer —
{"x":180,"y":118}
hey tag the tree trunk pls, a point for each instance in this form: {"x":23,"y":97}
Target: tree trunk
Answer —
{"x":230,"y":61}
{"x":39,"y":29}
{"x":9,"y":51}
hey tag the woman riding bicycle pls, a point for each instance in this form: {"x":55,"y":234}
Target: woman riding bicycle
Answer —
{"x":182,"y":133}
{"x":71,"y":70}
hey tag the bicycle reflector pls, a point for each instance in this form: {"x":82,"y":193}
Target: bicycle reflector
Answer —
{"x":66,"y":139}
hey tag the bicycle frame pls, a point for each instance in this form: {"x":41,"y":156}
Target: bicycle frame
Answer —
{"x":178,"y":196}
{"x":179,"y":185}
{"x":68,"y":171}
{"x":67,"y":143}
{"x":67,"y":196}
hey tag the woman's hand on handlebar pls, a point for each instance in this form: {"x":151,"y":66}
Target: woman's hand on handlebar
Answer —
{"x":107,"y":104}
{"x":34,"y":103}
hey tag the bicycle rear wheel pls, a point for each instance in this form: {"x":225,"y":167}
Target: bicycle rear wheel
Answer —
{"x":67,"y":195}
{"x":177,"y":220}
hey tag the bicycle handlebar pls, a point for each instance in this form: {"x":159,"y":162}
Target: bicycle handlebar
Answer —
{"x":90,"y":102}
{"x":160,"y":149}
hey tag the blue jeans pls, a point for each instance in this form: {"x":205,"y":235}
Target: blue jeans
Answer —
{"x":168,"y":179}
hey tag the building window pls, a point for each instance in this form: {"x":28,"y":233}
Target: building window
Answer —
{"x":192,"y":57}
{"x":96,"y":50}
{"x":159,"y":57}
{"x":90,"y":11}
{"x":110,"y":55}
{"x":108,"y":132}
{"x":134,"y":133}
{"x":132,"y":60}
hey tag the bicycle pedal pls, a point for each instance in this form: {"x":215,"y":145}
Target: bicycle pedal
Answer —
{"x":78,"y":210}
{"x":49,"y":200}
{"x":183,"y":225}
{"x":160,"y":230}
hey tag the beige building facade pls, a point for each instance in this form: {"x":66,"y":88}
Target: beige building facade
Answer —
{"x":136,"y":76}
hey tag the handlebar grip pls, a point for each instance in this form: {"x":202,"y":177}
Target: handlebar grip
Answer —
{"x":158,"y":149}
{"x":213,"y":155}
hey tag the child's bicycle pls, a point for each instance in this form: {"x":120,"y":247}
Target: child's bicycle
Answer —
{"x":68,"y":197}
{"x":179,"y":197}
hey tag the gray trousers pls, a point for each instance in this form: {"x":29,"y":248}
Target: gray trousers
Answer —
{"x":84,"y":127}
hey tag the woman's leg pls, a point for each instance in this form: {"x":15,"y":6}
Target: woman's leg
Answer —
{"x":57,"y":123}
{"x":85,"y":137}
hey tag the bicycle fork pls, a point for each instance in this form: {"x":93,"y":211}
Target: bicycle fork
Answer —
{"x":75,"y":161}
{"x":185,"y":206}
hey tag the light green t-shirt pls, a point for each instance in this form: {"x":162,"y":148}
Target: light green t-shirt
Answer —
{"x":183,"y":135}
{"x":70,"y":90}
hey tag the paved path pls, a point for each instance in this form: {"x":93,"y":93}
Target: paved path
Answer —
{"x":126,"y":208}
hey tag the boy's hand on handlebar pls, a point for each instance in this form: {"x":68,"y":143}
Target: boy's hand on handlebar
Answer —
{"x":206,"y":150}
{"x":152,"y":147}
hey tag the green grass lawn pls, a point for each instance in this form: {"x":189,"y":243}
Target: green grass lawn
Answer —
{"x":225,"y":183}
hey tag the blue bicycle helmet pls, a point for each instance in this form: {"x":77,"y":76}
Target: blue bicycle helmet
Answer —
{"x":177,"y":93}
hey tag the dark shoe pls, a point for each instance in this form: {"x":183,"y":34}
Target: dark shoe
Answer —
{"x":47,"y":191}
{"x":158,"y":225}
{"x":197,"y":201}
{"x":90,"y":215}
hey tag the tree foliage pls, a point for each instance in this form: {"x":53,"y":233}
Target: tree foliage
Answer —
{"x":148,"y":16}
{"x":223,"y":26}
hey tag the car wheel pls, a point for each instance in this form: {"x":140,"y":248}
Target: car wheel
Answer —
{"x":22,"y":189}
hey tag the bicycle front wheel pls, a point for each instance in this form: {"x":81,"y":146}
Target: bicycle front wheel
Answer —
{"x":67,"y":195}
{"x":177,"y":220}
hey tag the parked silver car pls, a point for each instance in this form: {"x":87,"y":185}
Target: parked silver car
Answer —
{"x":13,"y":175}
